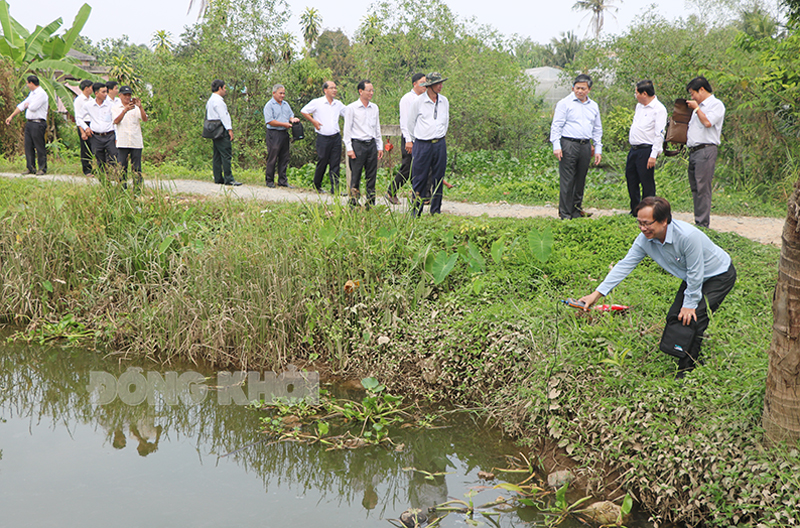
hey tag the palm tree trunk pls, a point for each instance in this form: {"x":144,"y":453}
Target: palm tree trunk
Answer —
{"x":781,"y":419}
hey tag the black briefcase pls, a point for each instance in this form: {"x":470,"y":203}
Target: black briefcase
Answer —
{"x":677,"y":338}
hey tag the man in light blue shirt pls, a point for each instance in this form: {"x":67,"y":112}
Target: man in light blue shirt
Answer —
{"x":279,"y":117}
{"x":576,"y":125}
{"x":686,"y":252}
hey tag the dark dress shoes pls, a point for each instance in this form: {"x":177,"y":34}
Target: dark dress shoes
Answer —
{"x":233,"y":182}
{"x":270,"y":185}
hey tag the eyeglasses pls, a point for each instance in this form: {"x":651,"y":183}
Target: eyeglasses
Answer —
{"x":645,"y":224}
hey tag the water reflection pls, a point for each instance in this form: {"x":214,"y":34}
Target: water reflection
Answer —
{"x":67,"y":461}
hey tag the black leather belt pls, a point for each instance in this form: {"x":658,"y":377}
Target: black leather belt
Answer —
{"x":575,"y":140}
{"x":431,"y":140}
{"x":365,"y":141}
{"x":102,"y":133}
{"x":701,"y":146}
{"x":639,"y":147}
{"x":37,"y":121}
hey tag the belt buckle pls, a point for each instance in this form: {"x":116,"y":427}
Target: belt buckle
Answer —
{"x":434,"y":141}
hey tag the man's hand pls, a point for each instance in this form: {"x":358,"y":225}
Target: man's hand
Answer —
{"x":589,"y":300}
{"x":686,"y":316}
{"x":597,"y":158}
{"x":351,"y":154}
{"x":83,"y":135}
{"x":692,"y":104}
{"x":651,"y":162}
{"x":409,"y":146}
{"x":8,"y":120}
{"x":230,"y":134}
{"x":89,"y":132}
{"x":380,"y":154}
{"x":558,"y":154}
{"x":294,"y":120}
{"x":317,"y":124}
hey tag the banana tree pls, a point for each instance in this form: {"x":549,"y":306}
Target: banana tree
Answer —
{"x":43,"y":53}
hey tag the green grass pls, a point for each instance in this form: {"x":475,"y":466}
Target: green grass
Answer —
{"x":229,"y":282}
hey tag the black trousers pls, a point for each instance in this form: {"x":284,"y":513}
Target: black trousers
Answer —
{"x":277,"y":155}
{"x":86,"y":153}
{"x":404,"y":174}
{"x":714,"y":290}
{"x":135,"y":156}
{"x":430,"y":161}
{"x":572,"y":171}
{"x":221,"y":164}
{"x":104,"y":148}
{"x":637,"y":173}
{"x":366,"y":160}
{"x":329,"y":152}
{"x":34,"y":145}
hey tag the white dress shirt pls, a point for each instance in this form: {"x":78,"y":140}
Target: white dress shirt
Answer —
{"x":217,"y":109}
{"x":100,"y":118}
{"x":428,"y":119}
{"x":649,"y":126}
{"x":79,"y":105}
{"x":362,"y":122}
{"x":405,"y":108}
{"x":577,"y":120}
{"x":698,"y":134}
{"x":35,"y":105}
{"x":326,"y":113}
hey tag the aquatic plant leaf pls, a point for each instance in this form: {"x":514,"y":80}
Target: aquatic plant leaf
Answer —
{"x":541,"y":244}
{"x":442,"y":265}
{"x":498,"y":248}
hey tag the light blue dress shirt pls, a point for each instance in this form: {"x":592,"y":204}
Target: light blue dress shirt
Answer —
{"x":687,"y":253}
{"x":275,"y":111}
{"x":577,"y":120}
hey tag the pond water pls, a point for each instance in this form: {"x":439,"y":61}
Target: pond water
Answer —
{"x":68,"y":461}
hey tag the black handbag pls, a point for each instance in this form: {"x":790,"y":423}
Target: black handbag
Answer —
{"x":297,"y":131}
{"x":213,"y":129}
{"x":677,"y":338}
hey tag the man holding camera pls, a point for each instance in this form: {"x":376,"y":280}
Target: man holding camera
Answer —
{"x":128,"y":117}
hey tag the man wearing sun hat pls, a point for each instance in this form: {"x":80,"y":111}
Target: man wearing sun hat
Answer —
{"x":428,"y":120}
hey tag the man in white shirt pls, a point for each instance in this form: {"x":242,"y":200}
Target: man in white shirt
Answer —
{"x":576,"y":125}
{"x":101,"y":128}
{"x":79,"y":106}
{"x":702,"y":140}
{"x":404,"y":173}
{"x":647,"y":141}
{"x":428,"y":121}
{"x":223,"y":152}
{"x":35,"y":108}
{"x":113,"y":93}
{"x":362,"y":139}
{"x":324,"y":113}
{"x":128,"y":118}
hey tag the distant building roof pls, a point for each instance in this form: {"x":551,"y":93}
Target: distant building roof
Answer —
{"x":549,"y":85}
{"x":81,"y":56}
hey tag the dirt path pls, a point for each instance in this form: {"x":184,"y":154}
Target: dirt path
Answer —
{"x":763,"y":230}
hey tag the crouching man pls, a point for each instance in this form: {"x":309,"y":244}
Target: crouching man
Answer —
{"x":686,"y":252}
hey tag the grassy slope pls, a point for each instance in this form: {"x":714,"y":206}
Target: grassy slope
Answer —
{"x":237,"y":283}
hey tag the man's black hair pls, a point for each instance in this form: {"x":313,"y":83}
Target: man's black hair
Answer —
{"x":111,"y":84}
{"x":363,"y":84}
{"x":661,"y":208}
{"x":583,"y":77}
{"x":216,"y":84}
{"x":416,"y":77}
{"x":697,"y":83}
{"x":85,"y":84}
{"x":33,"y":80}
{"x":646,"y":87}
{"x":96,"y":87}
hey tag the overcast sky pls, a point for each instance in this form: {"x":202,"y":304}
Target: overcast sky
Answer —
{"x":139,"y":19}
